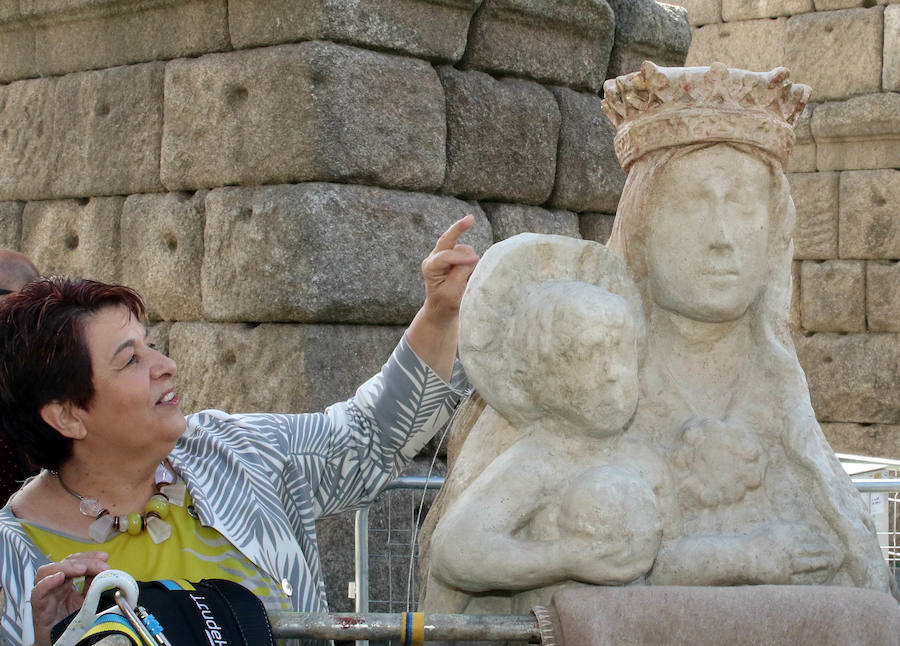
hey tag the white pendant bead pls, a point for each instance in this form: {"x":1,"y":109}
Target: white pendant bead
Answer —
{"x":175,"y":493}
{"x":158,"y":529}
{"x":123,"y":524}
{"x":90,"y":507}
{"x":101,"y":528}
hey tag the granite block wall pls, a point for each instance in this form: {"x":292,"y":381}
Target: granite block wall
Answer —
{"x":269,"y":173}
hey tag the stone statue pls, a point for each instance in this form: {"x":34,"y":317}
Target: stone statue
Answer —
{"x":743,"y":481}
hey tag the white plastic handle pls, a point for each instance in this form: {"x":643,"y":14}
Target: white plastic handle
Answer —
{"x":88,"y":614}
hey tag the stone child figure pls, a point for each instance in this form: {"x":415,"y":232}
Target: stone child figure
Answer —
{"x":567,"y":502}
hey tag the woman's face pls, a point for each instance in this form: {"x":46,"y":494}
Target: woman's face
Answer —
{"x":134,"y":410}
{"x":709,"y":226}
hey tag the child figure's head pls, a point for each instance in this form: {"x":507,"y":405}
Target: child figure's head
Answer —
{"x":580,"y":363}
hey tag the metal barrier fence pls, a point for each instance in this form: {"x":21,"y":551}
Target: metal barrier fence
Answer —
{"x":877,"y":480}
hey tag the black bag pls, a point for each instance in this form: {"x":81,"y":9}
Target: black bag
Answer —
{"x":214,"y":611}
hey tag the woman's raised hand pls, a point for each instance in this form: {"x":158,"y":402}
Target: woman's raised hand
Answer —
{"x":54,"y":596}
{"x":433,"y":333}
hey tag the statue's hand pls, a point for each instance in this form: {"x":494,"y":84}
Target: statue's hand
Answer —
{"x":603,"y":563}
{"x":797,"y":554}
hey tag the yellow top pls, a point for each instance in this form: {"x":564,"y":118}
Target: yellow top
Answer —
{"x":193,"y":552}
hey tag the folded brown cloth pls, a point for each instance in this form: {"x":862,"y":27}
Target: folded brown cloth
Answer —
{"x":770,"y":615}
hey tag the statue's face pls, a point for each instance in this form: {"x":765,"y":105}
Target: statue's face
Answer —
{"x":709,"y":226}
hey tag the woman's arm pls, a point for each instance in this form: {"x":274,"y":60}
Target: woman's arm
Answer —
{"x":434,"y":332}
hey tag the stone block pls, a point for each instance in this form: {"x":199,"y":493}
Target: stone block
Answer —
{"x":881,"y":440}
{"x":816,"y":199}
{"x":596,"y":226}
{"x":817,"y":50}
{"x":588,"y":174}
{"x":11,"y":225}
{"x":501,"y":138}
{"x":323,"y":252}
{"x":852,"y":377}
{"x":753,"y":44}
{"x":833,"y":296}
{"x":883,"y":296}
{"x":78,"y":238}
{"x":648,"y":30}
{"x":832,"y":5}
{"x":868,"y":225}
{"x":862,"y":132}
{"x":803,"y":155}
{"x":107,"y":132}
{"x":508,"y":220}
{"x":733,"y":10}
{"x":563,"y":43}
{"x":162,"y":248}
{"x":275,"y":367}
{"x":794,"y":314}
{"x":126,"y":33}
{"x":17,"y":59}
{"x":158,"y":331}
{"x":294,"y":113}
{"x":890,"y":74}
{"x":431,"y":29}
{"x":701,"y":12}
{"x":26,"y":138}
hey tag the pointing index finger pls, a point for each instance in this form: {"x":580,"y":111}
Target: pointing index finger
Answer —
{"x":451,"y":236}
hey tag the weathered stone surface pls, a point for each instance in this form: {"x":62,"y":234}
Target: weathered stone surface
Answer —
{"x":588,"y":175}
{"x":750,"y":9}
{"x":890,"y":76}
{"x":508,"y":220}
{"x":816,"y":199}
{"x":701,"y":12}
{"x":881,"y":440}
{"x":648,"y":30}
{"x":16,"y":52}
{"x":803,"y":156}
{"x":275,"y":368}
{"x":869,"y":226}
{"x":596,"y":226}
{"x":26,"y":138}
{"x":853,"y":377}
{"x":831,"y":5}
{"x":501,"y":138}
{"x":299,"y":112}
{"x":752,"y":45}
{"x":11,"y":224}
{"x":832,"y":296}
{"x":862,"y":132}
{"x":564,"y":43}
{"x":162,"y":248}
{"x":432,"y":29}
{"x":159,"y":334}
{"x":883,"y":296}
{"x":323,"y":252}
{"x":125,"y":33}
{"x":794,"y":316}
{"x":817,"y":46}
{"x":107,"y":131}
{"x":78,"y":238}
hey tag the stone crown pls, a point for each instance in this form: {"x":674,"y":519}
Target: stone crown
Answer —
{"x":659,"y":107}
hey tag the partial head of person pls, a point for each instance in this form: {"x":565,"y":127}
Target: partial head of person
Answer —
{"x":16,"y":271}
{"x":78,"y":374}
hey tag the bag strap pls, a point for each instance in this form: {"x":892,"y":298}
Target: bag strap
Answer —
{"x":247,"y":609}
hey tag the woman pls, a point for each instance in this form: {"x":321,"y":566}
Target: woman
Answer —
{"x":95,"y":404}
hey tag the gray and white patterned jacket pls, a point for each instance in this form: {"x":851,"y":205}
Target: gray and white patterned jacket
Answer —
{"x":262,"y":480}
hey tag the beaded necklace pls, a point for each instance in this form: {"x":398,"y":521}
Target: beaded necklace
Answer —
{"x":156,"y":510}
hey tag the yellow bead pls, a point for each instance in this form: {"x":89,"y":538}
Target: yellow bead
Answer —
{"x":135,"y":523}
{"x":157,"y":504}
